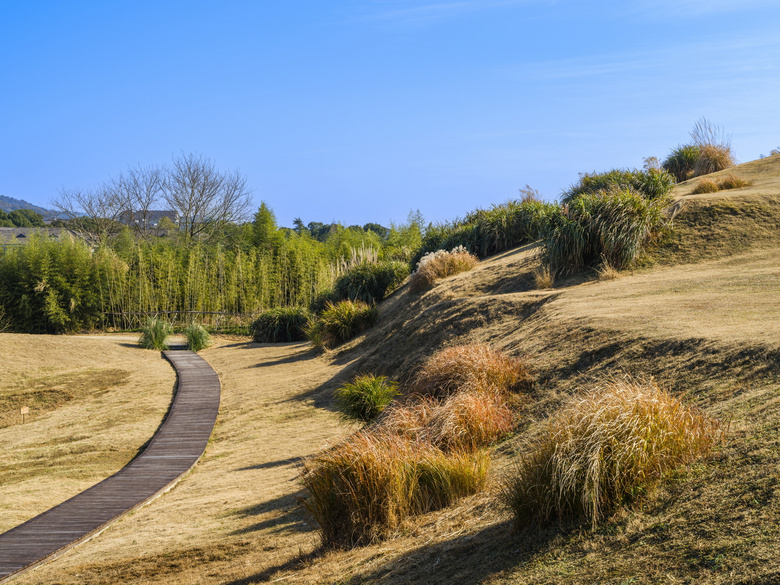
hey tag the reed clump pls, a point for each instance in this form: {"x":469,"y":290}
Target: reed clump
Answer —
{"x":604,"y":449}
{"x":613,"y":226}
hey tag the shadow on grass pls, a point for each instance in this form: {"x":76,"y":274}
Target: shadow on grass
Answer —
{"x":272,"y":464}
{"x":287,"y":515}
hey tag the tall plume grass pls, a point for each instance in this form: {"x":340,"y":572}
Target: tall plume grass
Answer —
{"x":470,"y":367}
{"x":604,"y":449}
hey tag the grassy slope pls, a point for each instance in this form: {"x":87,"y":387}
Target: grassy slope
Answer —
{"x":705,"y":331}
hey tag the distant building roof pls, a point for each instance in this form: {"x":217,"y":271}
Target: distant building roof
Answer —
{"x":16,"y":236}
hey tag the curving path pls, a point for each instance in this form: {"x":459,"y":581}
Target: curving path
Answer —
{"x":173,"y":451}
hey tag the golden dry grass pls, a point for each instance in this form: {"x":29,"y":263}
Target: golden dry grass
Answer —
{"x":94,"y":402}
{"x":606,"y":448}
{"x":699,"y":322}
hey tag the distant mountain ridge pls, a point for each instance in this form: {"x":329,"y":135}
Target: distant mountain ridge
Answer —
{"x":10,"y":204}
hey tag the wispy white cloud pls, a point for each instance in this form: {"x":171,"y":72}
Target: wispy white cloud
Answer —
{"x":411,"y":12}
{"x":689,"y":8}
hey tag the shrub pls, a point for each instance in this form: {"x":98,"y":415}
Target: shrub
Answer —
{"x":154,"y":334}
{"x":440,"y":264}
{"x":340,"y":322}
{"x":364,"y":488}
{"x":280,"y":325}
{"x":321,"y":300}
{"x":650,"y":183}
{"x":603,"y":450}
{"x":612,"y":226}
{"x":733,"y":182}
{"x":681,"y":162}
{"x":197,"y":337}
{"x":365,"y":397}
{"x":470,"y":367}
{"x":705,"y":186}
{"x":369,"y":282}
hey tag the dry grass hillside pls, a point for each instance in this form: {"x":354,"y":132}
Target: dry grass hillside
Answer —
{"x":700,"y":317}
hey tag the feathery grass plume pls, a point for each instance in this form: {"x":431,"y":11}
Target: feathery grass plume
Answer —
{"x":614,"y":225}
{"x":604,"y":449}
{"x":365,"y":397}
{"x":369,"y":282}
{"x":733,"y":182}
{"x":473,"y":366}
{"x":469,"y":420}
{"x":440,"y":264}
{"x":650,"y":183}
{"x":705,"y":186}
{"x":544,"y":278}
{"x":340,"y":322}
{"x":197,"y":337}
{"x":154,"y":334}
{"x":280,"y":325}
{"x":364,"y":488}
{"x":681,"y":161}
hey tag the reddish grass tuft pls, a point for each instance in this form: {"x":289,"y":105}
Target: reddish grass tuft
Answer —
{"x":469,"y":421}
{"x":470,"y":367}
{"x":733,"y":182}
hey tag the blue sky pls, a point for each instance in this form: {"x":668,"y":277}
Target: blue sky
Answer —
{"x":362,"y":110}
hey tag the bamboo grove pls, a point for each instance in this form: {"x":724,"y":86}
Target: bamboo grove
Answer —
{"x":50,"y":286}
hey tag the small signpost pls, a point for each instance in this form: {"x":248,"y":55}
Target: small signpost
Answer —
{"x":25,"y":411}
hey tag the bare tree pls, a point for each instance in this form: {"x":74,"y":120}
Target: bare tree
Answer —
{"x":139,"y":191}
{"x":204,"y":198}
{"x":93,"y":213}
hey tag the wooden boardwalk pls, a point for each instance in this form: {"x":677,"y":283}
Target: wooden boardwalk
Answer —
{"x":173,"y":451}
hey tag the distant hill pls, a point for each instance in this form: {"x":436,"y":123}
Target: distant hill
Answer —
{"x":10,"y":204}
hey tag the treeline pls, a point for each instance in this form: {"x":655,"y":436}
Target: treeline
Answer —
{"x":50,"y":286}
{"x":20,"y":218}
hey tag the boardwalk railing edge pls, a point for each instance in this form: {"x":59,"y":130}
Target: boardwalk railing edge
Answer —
{"x":197,"y":392}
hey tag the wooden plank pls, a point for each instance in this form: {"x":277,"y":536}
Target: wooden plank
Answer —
{"x":173,"y":451}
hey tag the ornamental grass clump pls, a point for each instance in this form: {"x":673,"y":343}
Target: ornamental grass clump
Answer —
{"x":197,"y":337}
{"x":281,"y":325}
{"x":365,"y":397}
{"x":368,"y":486}
{"x":473,"y":366}
{"x":440,"y":264}
{"x":603,"y":450}
{"x":370,"y":282}
{"x":154,"y":334}
{"x":705,"y":186}
{"x":611,"y":226}
{"x":650,"y":184}
{"x":340,"y":322}
{"x":468,"y":421}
